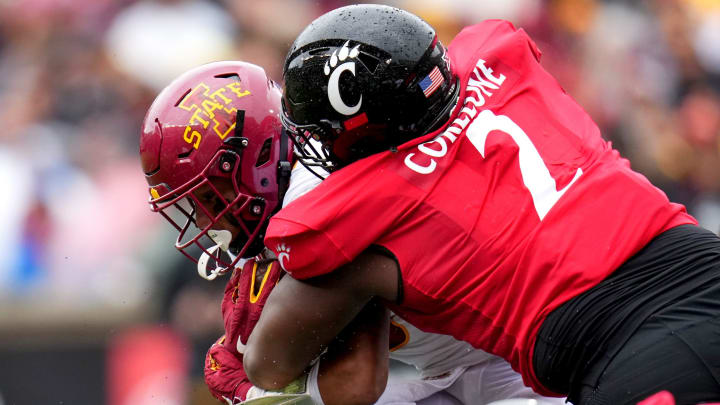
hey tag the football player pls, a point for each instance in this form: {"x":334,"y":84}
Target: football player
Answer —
{"x":477,"y":199}
{"x":217,"y":164}
{"x":215,"y":157}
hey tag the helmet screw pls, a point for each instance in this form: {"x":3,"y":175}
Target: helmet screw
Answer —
{"x":256,"y":209}
{"x":226,"y":166}
{"x":244,"y":142}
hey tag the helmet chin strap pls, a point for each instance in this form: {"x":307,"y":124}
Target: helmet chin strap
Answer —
{"x":205,"y":260}
{"x":223,"y":239}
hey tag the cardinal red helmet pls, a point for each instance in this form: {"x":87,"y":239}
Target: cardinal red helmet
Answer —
{"x":216,"y":159}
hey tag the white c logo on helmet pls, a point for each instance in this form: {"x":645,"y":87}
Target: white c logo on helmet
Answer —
{"x":333,"y":84}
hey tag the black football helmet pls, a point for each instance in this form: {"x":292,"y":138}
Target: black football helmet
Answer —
{"x":363,"y":79}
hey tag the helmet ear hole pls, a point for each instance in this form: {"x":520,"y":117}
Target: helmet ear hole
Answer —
{"x":264,"y":155}
{"x":232,"y":75}
{"x":319,"y":51}
{"x":184,"y":154}
{"x":181,"y":98}
{"x":370,"y":62}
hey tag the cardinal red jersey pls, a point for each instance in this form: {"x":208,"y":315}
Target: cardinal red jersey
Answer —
{"x":516,"y":206}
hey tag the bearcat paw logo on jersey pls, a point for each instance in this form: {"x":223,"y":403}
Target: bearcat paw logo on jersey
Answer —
{"x":283,"y":255}
{"x":334,"y":83}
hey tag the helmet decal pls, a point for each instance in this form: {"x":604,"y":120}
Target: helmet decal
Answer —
{"x":211,"y":106}
{"x":334,"y":96}
{"x":283,"y":255}
{"x":431,"y":82}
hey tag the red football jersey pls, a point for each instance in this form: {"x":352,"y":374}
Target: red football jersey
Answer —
{"x":515,"y":207}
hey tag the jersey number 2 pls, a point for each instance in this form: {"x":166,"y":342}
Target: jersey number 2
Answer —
{"x":535,"y":174}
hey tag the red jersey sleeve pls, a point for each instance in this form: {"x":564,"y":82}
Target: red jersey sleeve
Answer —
{"x":330,"y":225}
{"x":303,"y":252}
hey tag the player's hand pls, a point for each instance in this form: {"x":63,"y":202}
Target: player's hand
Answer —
{"x":244,"y":299}
{"x":224,"y":373}
{"x":227,"y":381}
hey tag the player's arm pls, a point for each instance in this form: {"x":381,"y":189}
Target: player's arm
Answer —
{"x":303,"y":317}
{"x":353,"y":371}
{"x":355,"y":368}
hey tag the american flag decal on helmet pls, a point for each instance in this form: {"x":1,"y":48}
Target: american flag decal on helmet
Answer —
{"x":430,"y":83}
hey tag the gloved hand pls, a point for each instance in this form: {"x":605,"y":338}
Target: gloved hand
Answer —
{"x":227,"y":381}
{"x":245,"y":295}
{"x":224,"y":373}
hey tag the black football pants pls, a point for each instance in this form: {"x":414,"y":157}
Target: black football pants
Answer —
{"x":677,"y":350}
{"x":654,"y":324}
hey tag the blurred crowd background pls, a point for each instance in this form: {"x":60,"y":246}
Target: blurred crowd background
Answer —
{"x":96,"y":306}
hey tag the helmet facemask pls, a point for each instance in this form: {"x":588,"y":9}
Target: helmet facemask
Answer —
{"x":206,"y":208}
{"x":311,"y":145}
